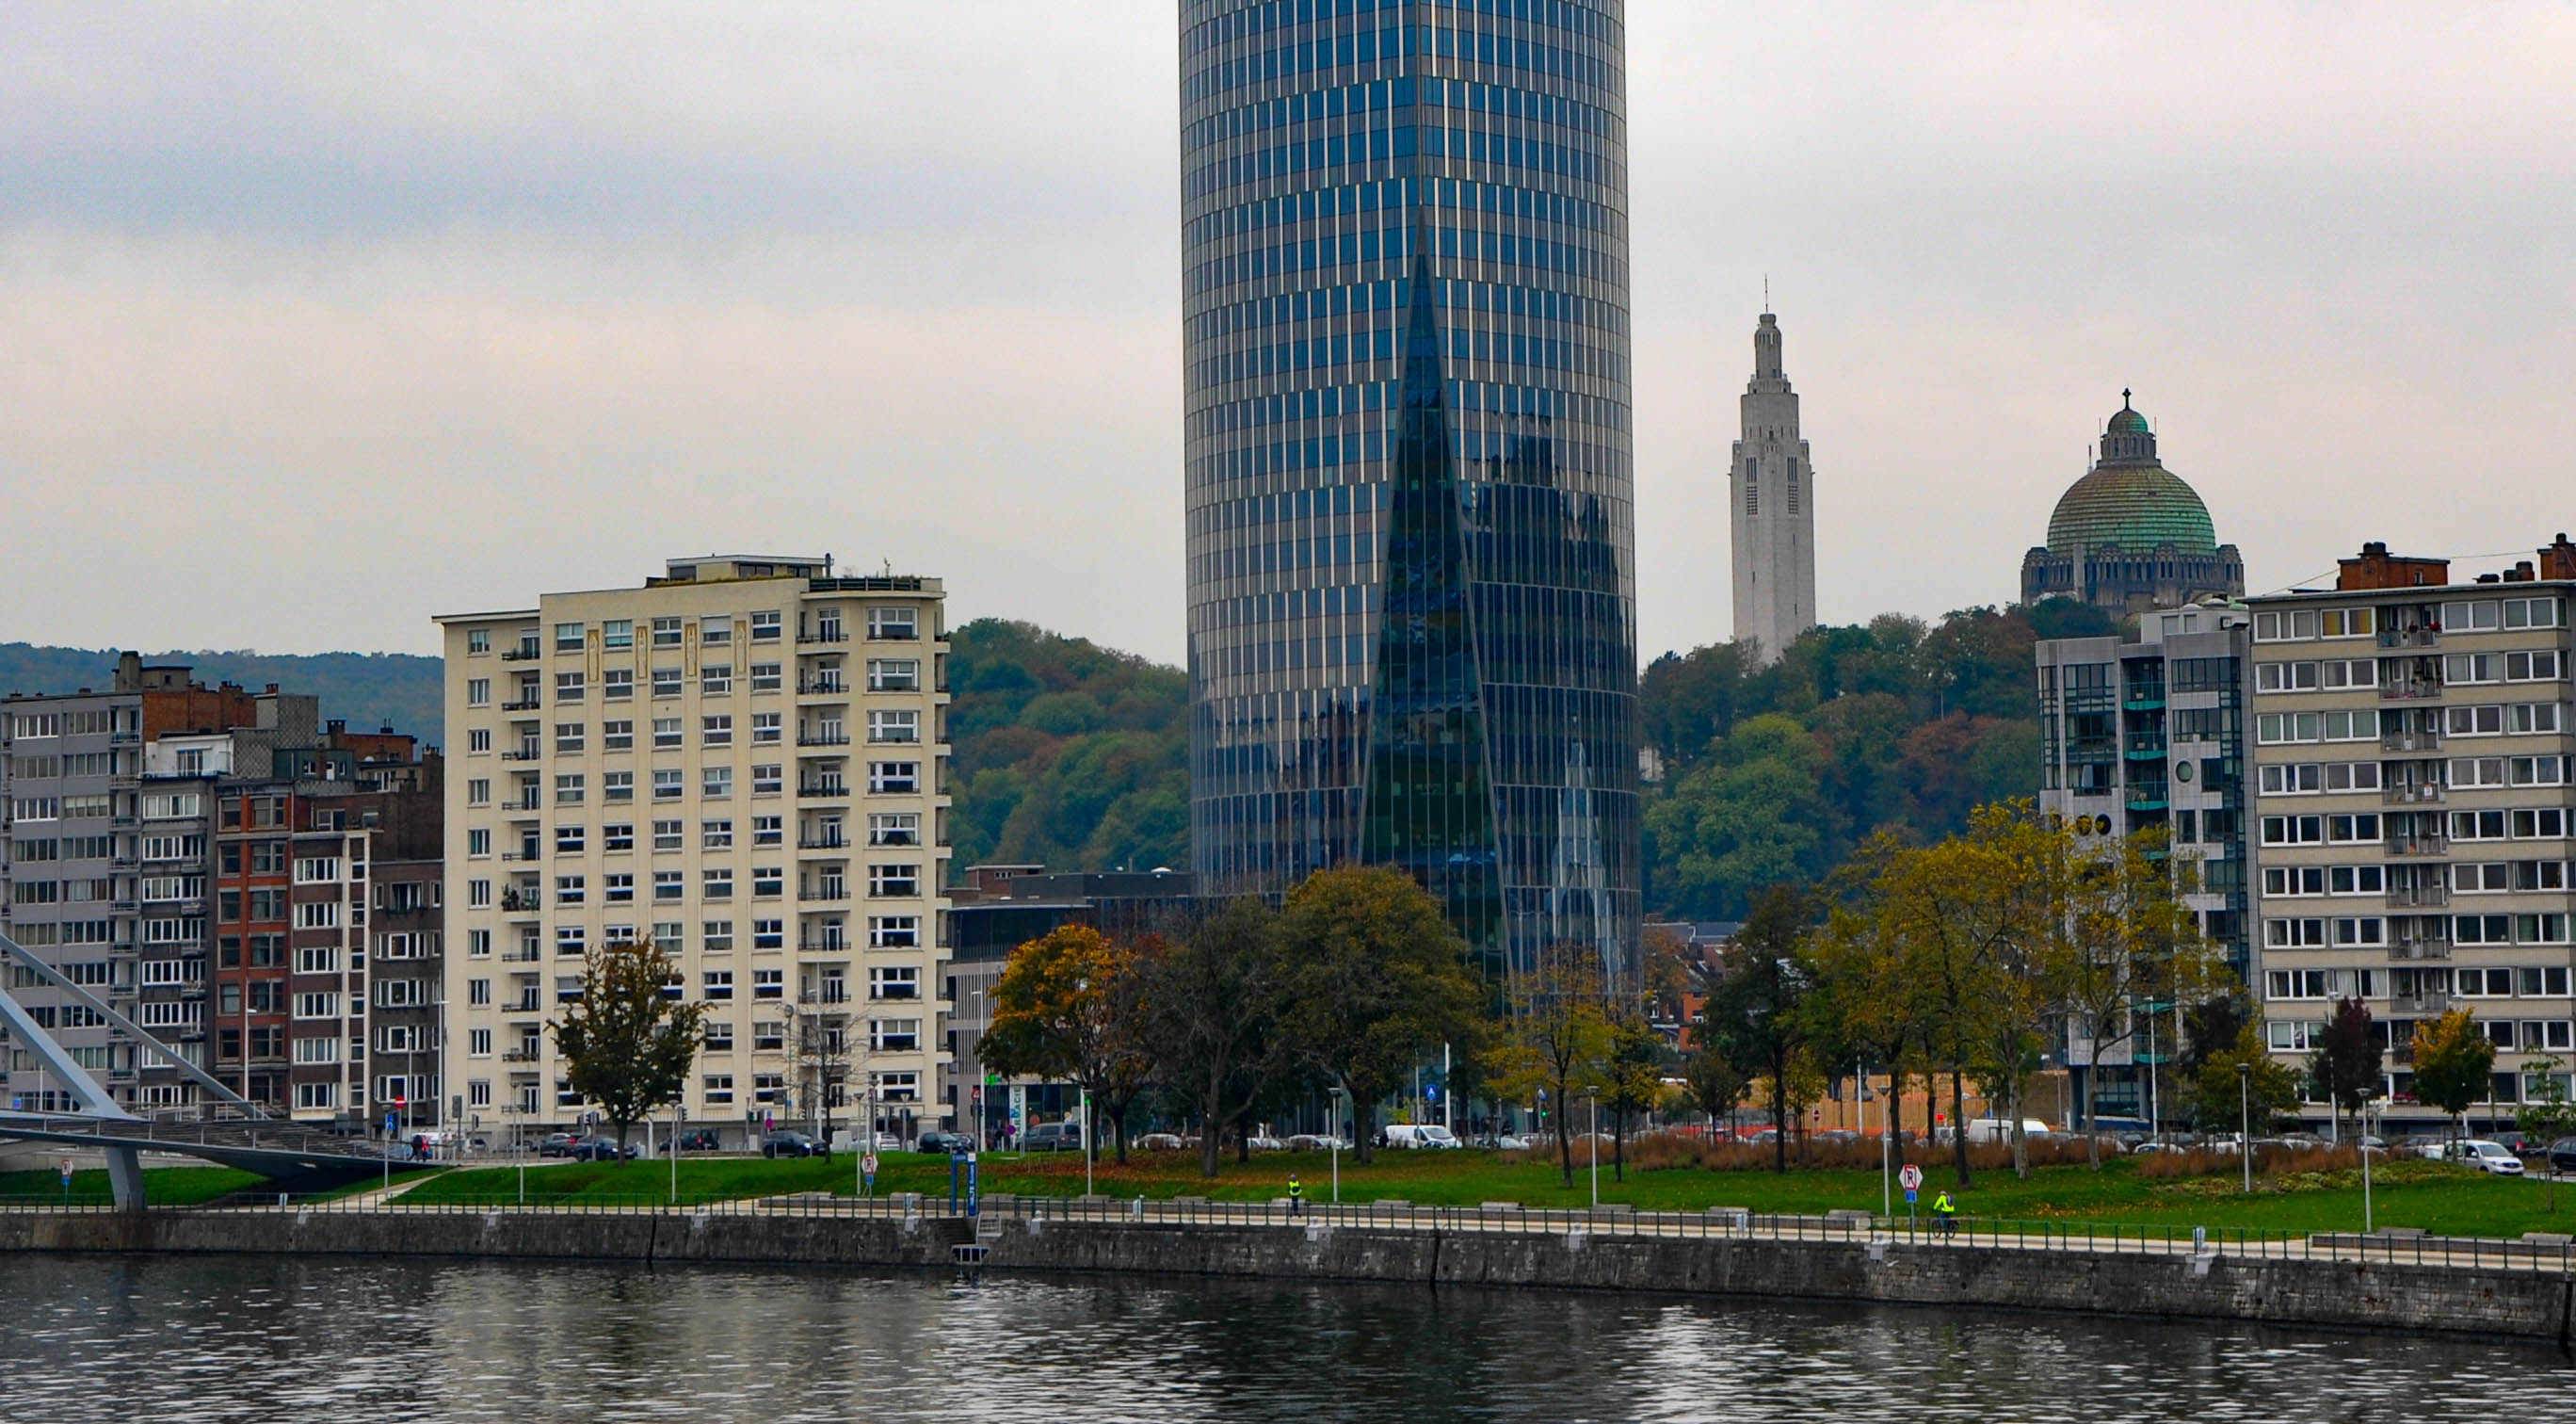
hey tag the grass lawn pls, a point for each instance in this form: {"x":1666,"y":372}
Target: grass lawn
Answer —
{"x":162,"y":1186}
{"x":2435,"y":1196}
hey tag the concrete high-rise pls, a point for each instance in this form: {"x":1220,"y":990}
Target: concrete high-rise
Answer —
{"x":1406,"y":422}
{"x":1772,"y":510}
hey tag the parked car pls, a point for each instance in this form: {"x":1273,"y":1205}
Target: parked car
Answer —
{"x":557,"y":1144}
{"x":1053,"y":1137}
{"x":601,"y":1149}
{"x":700,"y":1139}
{"x":2493,"y":1158}
{"x":1264,"y":1144}
{"x":2562,"y":1156}
{"x":1414,"y":1137}
{"x":791,"y":1144}
{"x":949,"y":1143}
{"x":1163,"y":1142}
{"x":1510,"y":1143}
{"x":1311,"y":1142}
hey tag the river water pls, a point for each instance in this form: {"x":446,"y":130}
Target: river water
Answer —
{"x":278,"y":1339}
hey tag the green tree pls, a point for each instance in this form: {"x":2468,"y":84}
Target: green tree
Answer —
{"x":1068,"y":1007}
{"x":1555,"y":1037}
{"x":1374,"y":979}
{"x":1715,"y":1086}
{"x":1632,"y":1077}
{"x":2130,"y":941}
{"x":2345,"y":1067}
{"x":2548,"y":1116}
{"x":2454,"y":1064}
{"x":1749,"y":817}
{"x":1756,"y":1013}
{"x":1213,"y":1000}
{"x":2222,"y":1098}
{"x":626,"y":1046}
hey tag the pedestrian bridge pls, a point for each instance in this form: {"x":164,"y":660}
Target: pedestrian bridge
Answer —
{"x":295,"y":1157}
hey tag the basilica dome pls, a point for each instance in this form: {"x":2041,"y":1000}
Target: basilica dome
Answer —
{"x":2130,"y":499}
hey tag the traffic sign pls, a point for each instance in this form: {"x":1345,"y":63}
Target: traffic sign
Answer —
{"x":67,"y":1171}
{"x":868,"y":1164}
{"x":1909,"y":1196}
{"x":1912,"y":1177}
{"x":393,"y":1122}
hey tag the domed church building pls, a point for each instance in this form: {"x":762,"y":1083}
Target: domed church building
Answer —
{"x":2131,"y":535}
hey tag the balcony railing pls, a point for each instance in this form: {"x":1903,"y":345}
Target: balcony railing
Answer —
{"x":822,"y":739}
{"x":2419,"y":845}
{"x":833,"y":789}
{"x":824,"y":892}
{"x":822,"y":635}
{"x":521,"y":654}
{"x":515,"y":903}
{"x":2429,"y":1001}
{"x":529,"y":704}
{"x":2419,"y":949}
{"x":2421,"y":741}
{"x":2409,"y":795}
{"x":824,"y":843}
{"x":831,"y":685}
{"x":2419,"y":896}
{"x":2410,"y":637}
{"x":523,"y":754}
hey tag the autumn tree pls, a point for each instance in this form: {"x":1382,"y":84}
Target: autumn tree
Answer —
{"x":1373,"y":978}
{"x":2454,"y":1064}
{"x":1714,"y":1084}
{"x":1756,"y":1013}
{"x":1067,"y":1007}
{"x":1632,"y":1076}
{"x":2345,"y":1066}
{"x":1556,"y":1036}
{"x":628,"y":1046}
{"x":2130,"y":940}
{"x":2223,"y":1099}
{"x":1212,"y":1004}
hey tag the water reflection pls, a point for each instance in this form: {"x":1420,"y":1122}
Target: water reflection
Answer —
{"x":257,"y":1338}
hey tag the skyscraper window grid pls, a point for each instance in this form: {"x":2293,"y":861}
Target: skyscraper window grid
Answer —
{"x":1332,"y":150}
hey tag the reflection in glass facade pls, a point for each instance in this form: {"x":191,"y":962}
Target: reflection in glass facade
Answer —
{"x":1407,"y":447}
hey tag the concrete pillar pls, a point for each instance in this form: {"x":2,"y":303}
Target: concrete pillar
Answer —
{"x":125,"y":1177}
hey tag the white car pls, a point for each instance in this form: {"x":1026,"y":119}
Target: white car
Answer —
{"x":2490,"y":1157}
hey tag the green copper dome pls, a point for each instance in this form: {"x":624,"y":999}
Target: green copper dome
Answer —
{"x":2130,"y":499}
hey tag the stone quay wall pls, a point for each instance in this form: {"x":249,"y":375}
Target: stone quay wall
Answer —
{"x":2491,"y":1299}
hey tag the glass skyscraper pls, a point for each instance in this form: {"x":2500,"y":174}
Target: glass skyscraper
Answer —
{"x":1411,"y":591}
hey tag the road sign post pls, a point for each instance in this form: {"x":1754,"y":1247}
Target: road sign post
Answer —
{"x":868,"y":1174}
{"x":1912,"y":1179}
{"x":67,"y":1181}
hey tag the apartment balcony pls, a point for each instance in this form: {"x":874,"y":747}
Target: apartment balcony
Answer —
{"x":823,"y":739}
{"x":2147,"y":798}
{"x":2409,"y":795}
{"x":2418,"y":846}
{"x":523,"y":754}
{"x":523,"y":956}
{"x":824,"y":790}
{"x":521,"y":654}
{"x":2420,"y":897}
{"x":824,"y":843}
{"x":525,"y":1004}
{"x":826,"y":893}
{"x":822,"y":687}
{"x":2145,"y":749}
{"x":2410,"y":637}
{"x":2411,"y":742}
{"x":514,"y":903}
{"x":2409,"y":691}
{"x":826,"y":945}
{"x":523,"y":1056}
{"x":822,"y":637}
{"x":2431,"y":1001}
{"x":525,"y":705}
{"x":2418,"y":950}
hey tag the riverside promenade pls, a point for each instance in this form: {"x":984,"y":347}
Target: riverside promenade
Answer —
{"x":2520,"y":1289}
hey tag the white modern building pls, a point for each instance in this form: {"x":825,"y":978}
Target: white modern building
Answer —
{"x":742,"y":763}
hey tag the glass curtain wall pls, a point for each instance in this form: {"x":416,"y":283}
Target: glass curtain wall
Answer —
{"x":1407,"y":456}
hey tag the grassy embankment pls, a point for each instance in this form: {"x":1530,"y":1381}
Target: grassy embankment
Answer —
{"x":2431,"y":1195}
{"x":163,"y":1186}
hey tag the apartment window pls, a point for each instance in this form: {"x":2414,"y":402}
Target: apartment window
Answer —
{"x":568,"y":789}
{"x":715,"y":630}
{"x":716,"y":835}
{"x":670,"y":885}
{"x":2286,"y":933}
{"x":717,"y":884}
{"x":2469,"y":772}
{"x":716,"y":679}
{"x":478,"y":842}
{"x":2546,"y":823}
{"x":668,"y":835}
{"x":894,"y":624}
{"x":478,"y":640}
{"x":886,"y":727}
{"x":717,"y":1088}
{"x":769,"y":983}
{"x":768,"y":778}
{"x":667,"y":783}
{"x":894,"y":881}
{"x":668,"y":733}
{"x":2285,"y":677}
{"x":894,"y":828}
{"x":719,"y":1037}
{"x":666,"y":682}
{"x":2477,"y":825}
{"x":894,"y":982}
{"x":666,"y":632}
{"x":2356,"y":880}
{"x":617,"y":836}
{"x":568,"y":840}
{"x":715,"y":782}
{"x":894,"y":931}
{"x":617,"y":633}
{"x":894,"y":674}
{"x":617,"y":685}
{"x":769,"y":934}
{"x":478,"y":894}
{"x":616,"y":787}
{"x":2537,"y":770}
{"x":768,"y":830}
{"x":2364,"y":931}
{"x":568,"y":738}
{"x":717,"y":985}
{"x":902,"y":778}
{"x":767,"y":729}
{"x":479,"y":740}
{"x":2293,"y":830}
{"x":766,"y":677}
{"x":2480,"y":929}
{"x":716,"y":731}
{"x":617,"y":736}
{"x":764,"y":626}
{"x":317,"y":1006}
{"x":716,"y":936}
{"x":618,"y":887}
{"x":768,"y":880}
{"x":478,"y":692}
{"x":568,"y":889}
{"x":570,"y":687}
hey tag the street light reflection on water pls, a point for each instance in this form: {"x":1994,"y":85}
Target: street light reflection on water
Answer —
{"x":126,"y":1337}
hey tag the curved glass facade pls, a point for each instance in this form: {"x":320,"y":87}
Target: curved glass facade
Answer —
{"x":1411,"y":593}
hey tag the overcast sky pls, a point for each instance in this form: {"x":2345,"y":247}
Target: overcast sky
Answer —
{"x":318,"y":320}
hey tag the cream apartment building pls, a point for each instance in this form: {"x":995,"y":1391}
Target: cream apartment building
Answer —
{"x":740,"y":762}
{"x":2412,"y":748}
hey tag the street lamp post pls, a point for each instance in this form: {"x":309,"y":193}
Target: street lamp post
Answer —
{"x":1086,"y":1143}
{"x":1338,"y":1096}
{"x":2245,"y":1121}
{"x":2367,"y":1109}
{"x":1592,"y":1143}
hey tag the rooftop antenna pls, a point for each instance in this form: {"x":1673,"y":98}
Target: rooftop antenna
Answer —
{"x":1766,"y":294}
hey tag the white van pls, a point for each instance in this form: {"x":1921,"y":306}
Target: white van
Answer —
{"x":1995,"y":1129}
{"x":1420,"y":1136}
